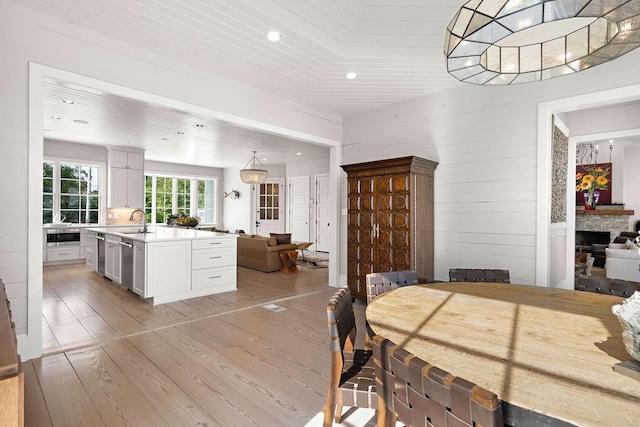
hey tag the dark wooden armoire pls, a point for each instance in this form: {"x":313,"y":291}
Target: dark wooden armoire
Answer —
{"x":390,"y":219}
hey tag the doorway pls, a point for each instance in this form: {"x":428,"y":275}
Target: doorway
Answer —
{"x":30,"y":344}
{"x":548,"y":234}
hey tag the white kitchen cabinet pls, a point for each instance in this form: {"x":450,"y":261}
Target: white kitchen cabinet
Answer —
{"x":126,"y":159}
{"x":113,"y":258}
{"x":83,"y":243}
{"x":91,"y":250}
{"x":126,"y":188}
{"x":168,"y":267}
{"x":139,"y":267}
{"x":126,"y":179}
{"x":63,"y":253}
{"x":214,"y":265}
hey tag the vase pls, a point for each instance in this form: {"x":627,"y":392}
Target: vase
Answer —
{"x":591,"y":199}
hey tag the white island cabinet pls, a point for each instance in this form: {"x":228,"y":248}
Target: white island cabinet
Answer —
{"x":171,"y":264}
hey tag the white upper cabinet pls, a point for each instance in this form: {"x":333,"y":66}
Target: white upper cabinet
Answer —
{"x":126,"y":159}
{"x":126,"y":179}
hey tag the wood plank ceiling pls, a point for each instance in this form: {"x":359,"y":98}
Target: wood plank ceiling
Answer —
{"x":395,"y":46}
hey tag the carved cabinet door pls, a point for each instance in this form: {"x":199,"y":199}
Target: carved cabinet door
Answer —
{"x":393,"y":223}
{"x":360,"y":243}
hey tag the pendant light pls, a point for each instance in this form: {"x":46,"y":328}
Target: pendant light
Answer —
{"x":253,"y":174}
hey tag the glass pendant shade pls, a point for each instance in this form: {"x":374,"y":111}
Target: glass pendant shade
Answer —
{"x":253,"y":174}
{"x":501,"y":42}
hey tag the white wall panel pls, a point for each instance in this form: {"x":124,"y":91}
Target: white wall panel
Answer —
{"x":485,"y":140}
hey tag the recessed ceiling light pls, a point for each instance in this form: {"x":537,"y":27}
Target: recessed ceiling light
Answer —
{"x":351,"y":75}
{"x":180,"y":133}
{"x":81,"y":122}
{"x":298,"y":154}
{"x":274,"y":36}
{"x":264,"y":160}
{"x":131,"y":142}
{"x":199,"y":125}
{"x":68,"y":101}
{"x":55,"y":117}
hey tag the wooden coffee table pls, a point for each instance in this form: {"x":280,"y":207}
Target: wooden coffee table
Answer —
{"x":289,"y":259}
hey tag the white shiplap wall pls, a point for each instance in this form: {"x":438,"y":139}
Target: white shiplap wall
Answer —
{"x":485,"y":140}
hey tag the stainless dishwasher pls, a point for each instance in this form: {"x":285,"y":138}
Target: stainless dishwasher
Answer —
{"x":126,"y":265}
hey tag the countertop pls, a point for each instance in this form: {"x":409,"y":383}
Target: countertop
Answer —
{"x":161,"y":234}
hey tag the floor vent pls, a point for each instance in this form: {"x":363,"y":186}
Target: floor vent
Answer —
{"x":274,"y":308}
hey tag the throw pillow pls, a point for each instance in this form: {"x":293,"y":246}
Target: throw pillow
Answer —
{"x":282,"y":239}
{"x":271,"y":241}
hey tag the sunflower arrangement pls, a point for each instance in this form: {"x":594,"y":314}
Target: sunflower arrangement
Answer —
{"x":594,"y":179}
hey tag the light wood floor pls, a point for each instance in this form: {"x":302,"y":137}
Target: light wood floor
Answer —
{"x":218,"y":360}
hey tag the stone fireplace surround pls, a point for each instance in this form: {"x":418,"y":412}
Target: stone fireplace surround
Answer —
{"x":611,"y":221}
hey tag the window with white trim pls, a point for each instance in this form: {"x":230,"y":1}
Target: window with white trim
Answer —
{"x":167,"y":195}
{"x":70,"y":192}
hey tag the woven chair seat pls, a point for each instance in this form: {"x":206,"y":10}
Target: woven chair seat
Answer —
{"x":358,"y":383}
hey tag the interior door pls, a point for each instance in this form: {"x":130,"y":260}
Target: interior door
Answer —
{"x":270,"y":207}
{"x":322,"y":213}
{"x":299,"y":208}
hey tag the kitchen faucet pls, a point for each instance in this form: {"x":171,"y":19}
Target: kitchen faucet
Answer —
{"x":144,"y":219}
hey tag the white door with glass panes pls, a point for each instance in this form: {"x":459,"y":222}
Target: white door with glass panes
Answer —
{"x":270,"y":207}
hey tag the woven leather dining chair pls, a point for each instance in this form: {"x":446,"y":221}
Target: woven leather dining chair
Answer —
{"x":351,"y":380}
{"x":419,"y":394}
{"x":478,"y":275}
{"x":379,"y":283}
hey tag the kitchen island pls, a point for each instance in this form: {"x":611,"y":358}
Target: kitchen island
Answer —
{"x":166,"y":264}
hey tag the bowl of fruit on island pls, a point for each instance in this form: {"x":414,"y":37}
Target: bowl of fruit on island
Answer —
{"x":184,"y":221}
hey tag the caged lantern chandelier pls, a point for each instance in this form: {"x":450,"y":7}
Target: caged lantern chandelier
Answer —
{"x":501,"y":42}
{"x":253,"y":174}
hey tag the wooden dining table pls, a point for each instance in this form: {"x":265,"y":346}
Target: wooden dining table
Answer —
{"x":547,"y":353}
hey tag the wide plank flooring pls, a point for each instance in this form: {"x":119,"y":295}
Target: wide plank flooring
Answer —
{"x":222,"y":360}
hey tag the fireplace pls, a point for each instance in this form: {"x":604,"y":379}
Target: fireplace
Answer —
{"x":594,"y":242}
{"x":587,"y":238}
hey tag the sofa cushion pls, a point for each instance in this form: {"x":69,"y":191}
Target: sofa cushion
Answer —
{"x":282,"y":239}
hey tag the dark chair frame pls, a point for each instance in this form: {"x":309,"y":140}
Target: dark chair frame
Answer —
{"x":351,"y":379}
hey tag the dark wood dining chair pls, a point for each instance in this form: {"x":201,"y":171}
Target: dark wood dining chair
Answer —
{"x":351,"y":380}
{"x":478,"y":275}
{"x":422,"y":395}
{"x":603,"y":285}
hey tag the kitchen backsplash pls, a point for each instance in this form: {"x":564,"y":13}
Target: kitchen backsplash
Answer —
{"x":120,"y":216}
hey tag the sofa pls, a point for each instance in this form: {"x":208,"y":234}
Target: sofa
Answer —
{"x":260,"y":252}
{"x":623,"y":263}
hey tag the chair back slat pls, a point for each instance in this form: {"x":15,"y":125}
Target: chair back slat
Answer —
{"x":603,"y":285}
{"x":420,"y":394}
{"x":341,"y":321}
{"x":380,"y":283}
{"x":479,"y":275}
